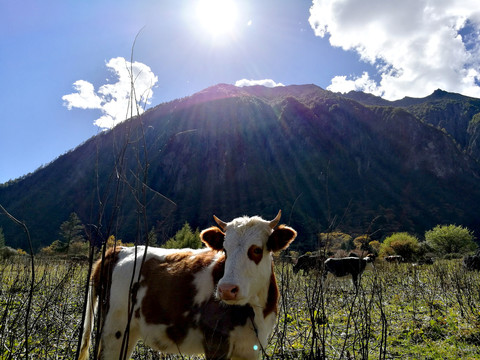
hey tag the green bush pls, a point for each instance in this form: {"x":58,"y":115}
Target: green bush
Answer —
{"x":184,"y":238}
{"x":452,"y":256}
{"x":402,"y":244}
{"x":447,"y":239}
{"x":7,"y":252}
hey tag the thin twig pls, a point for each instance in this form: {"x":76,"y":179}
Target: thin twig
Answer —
{"x":32,"y":282}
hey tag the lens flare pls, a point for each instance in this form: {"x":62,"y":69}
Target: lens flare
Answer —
{"x":217,"y":17}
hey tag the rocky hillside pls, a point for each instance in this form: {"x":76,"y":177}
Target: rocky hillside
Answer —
{"x":452,"y":113}
{"x":326,"y":160}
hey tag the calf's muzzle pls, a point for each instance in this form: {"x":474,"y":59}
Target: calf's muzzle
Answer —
{"x":228,"y":291}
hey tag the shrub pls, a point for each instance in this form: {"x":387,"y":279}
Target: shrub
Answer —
{"x":78,"y":248}
{"x":7,"y":252}
{"x":362,"y":242}
{"x":402,"y":244}
{"x":375,"y":246}
{"x":446,"y":239}
{"x":184,"y":238}
{"x":336,"y":240}
{"x":452,"y":256}
{"x":112,"y":241}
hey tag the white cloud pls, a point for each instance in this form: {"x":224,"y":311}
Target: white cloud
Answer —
{"x":363,"y":83}
{"x":84,"y":98}
{"x":417,"y":45}
{"x":114,"y":99}
{"x":264,"y":82}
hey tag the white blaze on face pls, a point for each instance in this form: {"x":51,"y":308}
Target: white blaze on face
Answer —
{"x":248,"y":263}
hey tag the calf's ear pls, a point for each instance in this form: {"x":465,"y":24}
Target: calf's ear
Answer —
{"x":213,"y":237}
{"x":280,"y":238}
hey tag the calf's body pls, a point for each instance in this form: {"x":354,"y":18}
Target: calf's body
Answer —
{"x":347,"y":266}
{"x":220,"y":301}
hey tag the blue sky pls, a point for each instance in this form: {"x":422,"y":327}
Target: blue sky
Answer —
{"x":63,"y":62}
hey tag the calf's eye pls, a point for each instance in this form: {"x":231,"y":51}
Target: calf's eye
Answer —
{"x":255,"y":253}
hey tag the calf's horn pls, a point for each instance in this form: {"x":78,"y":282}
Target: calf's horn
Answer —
{"x":275,"y":221}
{"x":220,"y":223}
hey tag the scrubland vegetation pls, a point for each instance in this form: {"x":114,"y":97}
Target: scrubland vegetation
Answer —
{"x":399,"y":311}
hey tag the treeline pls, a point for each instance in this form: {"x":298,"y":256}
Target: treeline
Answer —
{"x":74,"y":243}
{"x":443,"y":241}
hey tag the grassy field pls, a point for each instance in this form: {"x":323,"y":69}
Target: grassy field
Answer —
{"x":399,"y":312}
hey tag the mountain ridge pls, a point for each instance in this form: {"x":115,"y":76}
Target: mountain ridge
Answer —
{"x":324,"y":159}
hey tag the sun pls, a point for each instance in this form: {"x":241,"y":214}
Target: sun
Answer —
{"x":217,"y":17}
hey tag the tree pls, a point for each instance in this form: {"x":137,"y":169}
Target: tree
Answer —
{"x":402,"y":244}
{"x":71,"y":230}
{"x":450,"y":239}
{"x":152,"y":237}
{"x":184,"y":238}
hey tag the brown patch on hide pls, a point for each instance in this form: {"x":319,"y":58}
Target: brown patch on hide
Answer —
{"x":272,"y":298}
{"x":255,"y":253}
{"x":170,"y":291}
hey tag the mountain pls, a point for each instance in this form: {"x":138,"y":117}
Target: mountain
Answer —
{"x":326,"y":160}
{"x":452,"y":112}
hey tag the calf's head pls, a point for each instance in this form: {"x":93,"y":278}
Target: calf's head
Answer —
{"x":248,"y":243}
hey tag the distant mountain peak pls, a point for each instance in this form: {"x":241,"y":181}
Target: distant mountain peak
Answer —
{"x":439,"y":93}
{"x":268,"y":94}
{"x":219,"y":91}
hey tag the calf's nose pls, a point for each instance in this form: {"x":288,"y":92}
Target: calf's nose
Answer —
{"x":228,"y":291}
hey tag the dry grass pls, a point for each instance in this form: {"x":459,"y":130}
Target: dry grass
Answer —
{"x":400,"y":311}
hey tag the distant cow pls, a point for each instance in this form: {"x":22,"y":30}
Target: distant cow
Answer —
{"x":426,"y":261}
{"x":472,"y":262}
{"x":221,"y":300}
{"x":394,"y":259}
{"x":353,"y":266}
{"x":307,"y":262}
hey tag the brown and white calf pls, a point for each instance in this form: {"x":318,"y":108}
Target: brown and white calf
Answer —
{"x":220,"y":301}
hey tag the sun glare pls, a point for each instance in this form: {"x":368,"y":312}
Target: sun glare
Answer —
{"x":217,"y":17}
